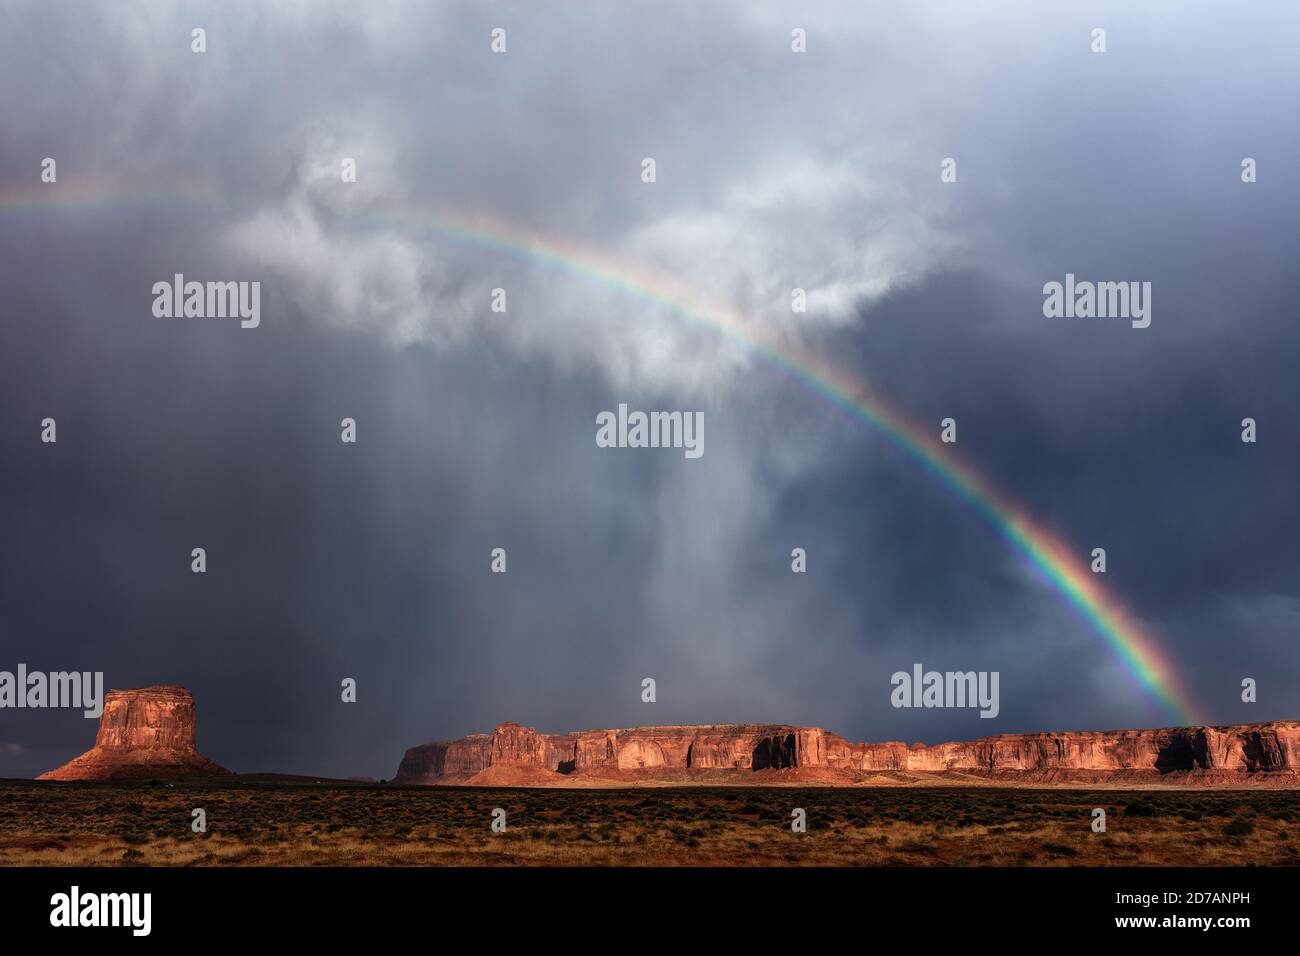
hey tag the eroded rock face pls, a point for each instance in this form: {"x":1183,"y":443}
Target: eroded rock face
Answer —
{"x":745,"y":748}
{"x":516,"y":746}
{"x":143,"y":733}
{"x":452,"y":761}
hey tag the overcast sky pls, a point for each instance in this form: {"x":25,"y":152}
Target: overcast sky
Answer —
{"x":476,"y":429}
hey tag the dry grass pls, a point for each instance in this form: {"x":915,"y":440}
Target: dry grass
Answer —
{"x":275,"y":824}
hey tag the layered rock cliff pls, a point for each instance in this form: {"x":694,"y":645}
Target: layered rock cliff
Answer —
{"x":685,"y":754}
{"x":143,"y":733}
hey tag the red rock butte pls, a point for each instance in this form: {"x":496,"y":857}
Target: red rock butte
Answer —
{"x":144,"y":734}
{"x":753,"y":754}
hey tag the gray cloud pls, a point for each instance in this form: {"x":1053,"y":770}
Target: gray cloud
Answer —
{"x":476,"y":429}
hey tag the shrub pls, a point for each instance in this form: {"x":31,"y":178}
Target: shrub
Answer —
{"x":1239,"y":827}
{"x":1060,"y":849}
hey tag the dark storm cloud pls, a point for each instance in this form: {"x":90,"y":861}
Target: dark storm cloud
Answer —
{"x":477,"y":431}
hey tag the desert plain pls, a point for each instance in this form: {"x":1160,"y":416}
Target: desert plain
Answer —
{"x":275,"y":821}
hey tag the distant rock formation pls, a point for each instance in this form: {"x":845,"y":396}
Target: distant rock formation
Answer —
{"x":779,"y":753}
{"x":143,"y":734}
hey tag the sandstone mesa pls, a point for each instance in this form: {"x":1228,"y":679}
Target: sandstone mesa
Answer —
{"x":144,"y":733}
{"x":756,"y":754}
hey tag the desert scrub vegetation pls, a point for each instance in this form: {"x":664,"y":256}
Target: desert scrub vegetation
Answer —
{"x":274,"y":824}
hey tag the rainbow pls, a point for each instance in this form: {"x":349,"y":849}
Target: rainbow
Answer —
{"x":1058,"y":562}
{"x":95,"y":194}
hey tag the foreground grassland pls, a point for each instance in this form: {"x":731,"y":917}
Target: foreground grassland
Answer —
{"x":290,"y":824}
